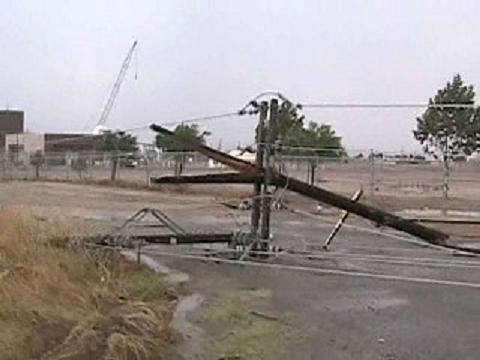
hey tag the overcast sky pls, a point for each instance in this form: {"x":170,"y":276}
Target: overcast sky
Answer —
{"x":59,"y":60}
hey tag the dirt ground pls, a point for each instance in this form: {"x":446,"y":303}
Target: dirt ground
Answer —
{"x":390,"y":186}
{"x":375,"y":295}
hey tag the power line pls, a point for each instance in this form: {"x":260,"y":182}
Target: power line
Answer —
{"x":317,"y":270}
{"x":202,"y":118}
{"x":387,"y":106}
{"x":300,"y":268}
{"x":432,"y":262}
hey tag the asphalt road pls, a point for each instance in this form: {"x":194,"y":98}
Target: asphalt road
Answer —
{"x":343,"y":316}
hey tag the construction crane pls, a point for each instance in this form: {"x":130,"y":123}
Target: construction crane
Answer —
{"x":116,"y":88}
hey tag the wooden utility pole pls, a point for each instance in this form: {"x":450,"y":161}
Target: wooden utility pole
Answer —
{"x":257,"y":186}
{"x":270,"y":137}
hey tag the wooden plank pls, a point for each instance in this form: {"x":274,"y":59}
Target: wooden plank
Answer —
{"x":340,"y":221}
{"x":222,"y":178}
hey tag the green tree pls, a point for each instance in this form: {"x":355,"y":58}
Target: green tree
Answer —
{"x":183,"y":139}
{"x":37,"y":160}
{"x":118,"y":141}
{"x":311,"y":140}
{"x":450,"y":131}
{"x":314,"y":140}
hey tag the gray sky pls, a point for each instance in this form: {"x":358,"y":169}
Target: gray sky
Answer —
{"x":59,"y":60}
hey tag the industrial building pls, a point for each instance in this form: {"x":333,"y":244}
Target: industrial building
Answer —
{"x":73,"y":142}
{"x":11,"y":122}
{"x":51,"y":143}
{"x":20,"y":147}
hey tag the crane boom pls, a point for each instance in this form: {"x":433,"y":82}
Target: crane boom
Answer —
{"x":116,"y":86}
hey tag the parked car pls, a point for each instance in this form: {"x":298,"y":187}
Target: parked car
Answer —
{"x":131,"y":161}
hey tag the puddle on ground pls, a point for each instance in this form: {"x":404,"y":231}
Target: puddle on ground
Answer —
{"x":175,"y":277}
{"x":193,"y":344}
{"x":362,"y":301}
{"x":439,"y":213}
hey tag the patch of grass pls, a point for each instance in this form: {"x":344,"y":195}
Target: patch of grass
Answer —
{"x":243,"y":334}
{"x":146,"y":285}
{"x":3,"y":315}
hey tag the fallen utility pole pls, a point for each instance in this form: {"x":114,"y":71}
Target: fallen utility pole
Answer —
{"x":217,"y":155}
{"x":172,"y":239}
{"x":340,"y":221}
{"x":222,"y":178}
{"x":378,"y":216}
{"x":328,"y":197}
{"x":452,"y":221}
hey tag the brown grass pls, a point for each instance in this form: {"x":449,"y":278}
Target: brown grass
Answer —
{"x":222,"y":191}
{"x":61,"y":301}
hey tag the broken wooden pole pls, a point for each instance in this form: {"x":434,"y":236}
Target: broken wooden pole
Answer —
{"x":257,"y":186}
{"x":268,"y":174}
{"x":366,"y":211}
{"x":340,"y":221}
{"x":222,"y":178}
{"x":369,"y":212}
{"x":217,"y":155}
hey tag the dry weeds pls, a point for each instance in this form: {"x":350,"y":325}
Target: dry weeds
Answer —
{"x":61,"y":301}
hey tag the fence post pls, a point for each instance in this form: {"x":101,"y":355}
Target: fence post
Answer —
{"x":148,"y":171}
{"x":67,"y":167}
{"x":371,"y":163}
{"x":139,"y":252}
{"x":446,"y":176}
{"x":313,"y":166}
{"x":114,"y":159}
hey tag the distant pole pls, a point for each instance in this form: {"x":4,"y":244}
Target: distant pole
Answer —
{"x":113,"y":175}
{"x":267,"y":196}
{"x":371,"y":162}
{"x":313,"y":165}
{"x":17,"y":151}
{"x":257,"y":186}
{"x":446,"y":170}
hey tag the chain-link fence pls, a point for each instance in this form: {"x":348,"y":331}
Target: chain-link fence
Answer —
{"x":386,"y":177}
{"x":394,"y":181}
